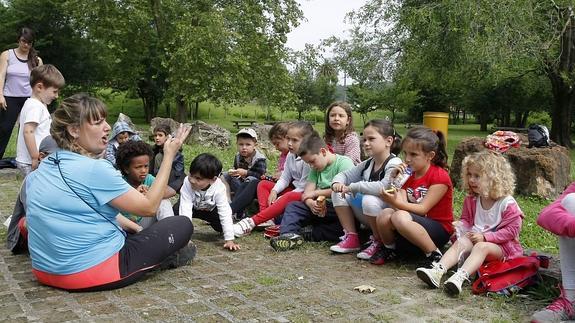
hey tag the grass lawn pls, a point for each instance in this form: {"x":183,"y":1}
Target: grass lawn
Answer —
{"x":532,"y":236}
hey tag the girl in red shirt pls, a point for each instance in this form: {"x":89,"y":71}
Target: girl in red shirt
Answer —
{"x":421,"y":213}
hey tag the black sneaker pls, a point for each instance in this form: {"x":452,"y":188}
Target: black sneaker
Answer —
{"x":382,"y":256}
{"x":306,"y":232}
{"x":286,"y":241}
{"x":179,"y":258}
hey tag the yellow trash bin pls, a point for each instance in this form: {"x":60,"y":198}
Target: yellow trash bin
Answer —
{"x":436,"y":121}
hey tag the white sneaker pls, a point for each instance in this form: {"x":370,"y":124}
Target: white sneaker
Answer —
{"x":266,"y":224}
{"x":244,"y":227}
{"x":431,"y":276}
{"x":454,"y":283}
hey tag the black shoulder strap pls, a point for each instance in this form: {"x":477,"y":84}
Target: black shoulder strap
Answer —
{"x":381,"y":174}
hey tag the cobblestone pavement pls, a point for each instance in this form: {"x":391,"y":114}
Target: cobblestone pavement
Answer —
{"x":255,"y":284}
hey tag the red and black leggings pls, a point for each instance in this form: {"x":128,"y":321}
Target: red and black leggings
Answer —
{"x":141,"y":252}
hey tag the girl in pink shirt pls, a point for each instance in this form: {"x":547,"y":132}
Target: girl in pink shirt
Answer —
{"x":339,"y":132}
{"x":559,"y":218}
{"x":490,"y":221}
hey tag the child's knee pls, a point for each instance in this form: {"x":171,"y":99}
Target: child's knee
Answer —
{"x":482,"y":247}
{"x":338,"y":200}
{"x":568,"y":203}
{"x":384,"y":217}
{"x":400,"y":218}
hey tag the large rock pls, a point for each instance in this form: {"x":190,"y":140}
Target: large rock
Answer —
{"x":543,"y":172}
{"x":204,"y":134}
{"x":264,"y":143}
{"x":209,"y":135}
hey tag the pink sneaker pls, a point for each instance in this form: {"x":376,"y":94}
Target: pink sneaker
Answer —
{"x":560,"y":310}
{"x":373,"y":247}
{"x":349,"y":243}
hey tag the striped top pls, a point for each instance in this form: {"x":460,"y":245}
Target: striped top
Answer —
{"x":350,"y":147}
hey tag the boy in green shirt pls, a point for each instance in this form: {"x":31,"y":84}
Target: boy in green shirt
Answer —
{"x":315,"y":209}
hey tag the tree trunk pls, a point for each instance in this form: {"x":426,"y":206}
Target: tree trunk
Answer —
{"x":196,"y":110}
{"x":464,"y":116}
{"x":182,"y":112}
{"x":483,"y":117}
{"x":563,"y":91}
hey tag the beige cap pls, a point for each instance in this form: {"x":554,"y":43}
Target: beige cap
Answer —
{"x":248,"y":131}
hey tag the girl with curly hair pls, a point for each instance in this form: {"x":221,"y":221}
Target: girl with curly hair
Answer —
{"x":491,"y":220}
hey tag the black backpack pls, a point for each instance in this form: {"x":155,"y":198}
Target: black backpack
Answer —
{"x":538,"y":136}
{"x":8,"y":163}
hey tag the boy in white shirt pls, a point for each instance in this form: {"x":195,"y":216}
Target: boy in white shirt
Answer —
{"x":204,"y":196}
{"x":35,"y":120}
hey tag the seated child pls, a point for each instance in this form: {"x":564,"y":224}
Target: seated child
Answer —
{"x":559,"y":218}
{"x":133,"y":159}
{"x":35,"y":120}
{"x":339,"y":132}
{"x":249,"y":166}
{"x":273,"y":202}
{"x":490,"y":222}
{"x":204,"y":196}
{"x":278,"y":137}
{"x":313,"y":208}
{"x":121,"y":133}
{"x":420,"y":218}
{"x":161,"y":133}
{"x":366,"y":181}
{"x":16,"y":238}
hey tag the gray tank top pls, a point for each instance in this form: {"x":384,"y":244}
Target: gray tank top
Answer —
{"x":17,"y":82}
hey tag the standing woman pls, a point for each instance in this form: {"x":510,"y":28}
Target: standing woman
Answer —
{"x":74,"y":239}
{"x":15,"y":67}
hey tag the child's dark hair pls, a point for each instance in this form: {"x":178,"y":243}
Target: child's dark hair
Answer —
{"x":206,"y":165}
{"x":48,"y":75}
{"x":163,"y":127}
{"x":304,"y":128}
{"x":311,"y":144}
{"x":385,"y":129}
{"x":429,"y":140}
{"x":130,"y":150}
{"x":329,"y":132}
{"x":279,"y":130}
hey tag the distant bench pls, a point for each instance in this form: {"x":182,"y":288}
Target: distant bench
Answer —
{"x":243,"y":123}
{"x":514,"y":129}
{"x":411,"y":125}
{"x":271,"y":123}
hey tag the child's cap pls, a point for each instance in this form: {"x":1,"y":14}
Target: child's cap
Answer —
{"x":48,"y":145}
{"x":248,"y":131}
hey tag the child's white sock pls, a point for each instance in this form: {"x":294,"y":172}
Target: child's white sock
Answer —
{"x":436,"y":250}
{"x":389,"y":246}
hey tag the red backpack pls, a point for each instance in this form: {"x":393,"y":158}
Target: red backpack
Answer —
{"x":508,"y":277}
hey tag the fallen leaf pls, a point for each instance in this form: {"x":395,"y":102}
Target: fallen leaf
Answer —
{"x":364,"y":289}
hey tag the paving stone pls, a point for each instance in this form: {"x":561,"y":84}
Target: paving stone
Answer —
{"x":253,"y":285}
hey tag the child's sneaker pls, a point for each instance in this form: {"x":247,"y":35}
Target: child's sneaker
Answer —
{"x":179,"y":258}
{"x":371,"y":250}
{"x":382,"y":256}
{"x":244,"y":227}
{"x":560,"y":310}
{"x":454,"y":283}
{"x":272,"y":231}
{"x":349,"y":243}
{"x":431,"y":276}
{"x":266,"y":224}
{"x":286,"y":241}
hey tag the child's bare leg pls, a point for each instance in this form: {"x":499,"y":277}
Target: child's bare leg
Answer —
{"x":451,"y":256}
{"x":346,"y":218}
{"x":412,"y":231}
{"x":371,"y":220}
{"x":385,"y":226}
{"x":480,"y":252}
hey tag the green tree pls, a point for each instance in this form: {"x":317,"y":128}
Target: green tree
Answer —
{"x":456,"y":47}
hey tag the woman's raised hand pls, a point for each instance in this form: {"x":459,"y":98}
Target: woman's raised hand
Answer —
{"x":174,"y":143}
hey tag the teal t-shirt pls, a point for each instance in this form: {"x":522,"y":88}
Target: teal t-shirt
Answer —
{"x":324,"y":178}
{"x":148,"y":182}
